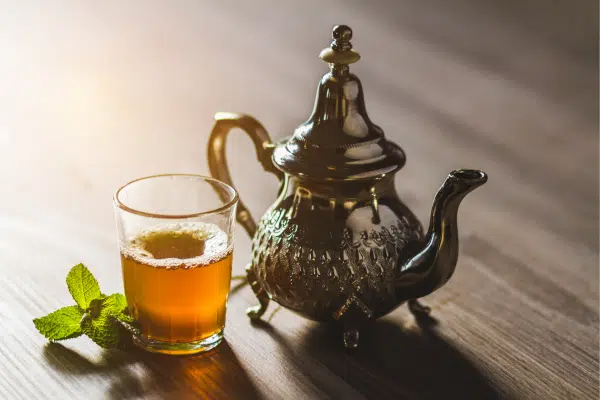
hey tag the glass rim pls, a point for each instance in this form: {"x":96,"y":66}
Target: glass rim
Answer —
{"x":119,"y":204}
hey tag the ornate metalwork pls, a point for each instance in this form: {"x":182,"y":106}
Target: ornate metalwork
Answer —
{"x":338,"y":244}
{"x":318,"y":280}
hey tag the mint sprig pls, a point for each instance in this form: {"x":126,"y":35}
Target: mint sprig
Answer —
{"x":104,"y":319}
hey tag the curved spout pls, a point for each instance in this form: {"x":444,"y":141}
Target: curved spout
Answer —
{"x":435,"y":264}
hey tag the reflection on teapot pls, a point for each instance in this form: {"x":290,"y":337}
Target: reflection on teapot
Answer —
{"x":338,"y":244}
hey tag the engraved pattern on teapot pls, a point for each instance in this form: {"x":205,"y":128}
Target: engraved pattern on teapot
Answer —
{"x":360,"y":263}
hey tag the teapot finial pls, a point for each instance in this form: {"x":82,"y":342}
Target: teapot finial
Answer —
{"x":340,"y":53}
{"x":342,"y":34}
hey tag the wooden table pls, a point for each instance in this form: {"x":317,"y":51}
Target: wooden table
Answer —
{"x":93,"y":94}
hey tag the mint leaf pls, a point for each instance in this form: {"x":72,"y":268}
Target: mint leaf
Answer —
{"x":61,"y":324}
{"x":116,"y":302}
{"x":128,"y":319}
{"x":101,"y":322}
{"x":102,"y":330}
{"x":83,"y":286}
{"x":128,"y":323}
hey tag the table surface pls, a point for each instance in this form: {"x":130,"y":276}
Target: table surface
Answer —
{"x":94,"y":94}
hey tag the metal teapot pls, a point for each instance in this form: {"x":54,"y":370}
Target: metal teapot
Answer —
{"x":338,"y":244}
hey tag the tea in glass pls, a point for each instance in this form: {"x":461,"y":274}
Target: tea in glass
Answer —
{"x":177,"y":270}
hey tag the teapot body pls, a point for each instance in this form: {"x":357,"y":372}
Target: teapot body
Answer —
{"x":325,"y":243}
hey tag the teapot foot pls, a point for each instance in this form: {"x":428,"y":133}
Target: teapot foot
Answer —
{"x":418,"y":309}
{"x":257,"y":311}
{"x":351,"y":337}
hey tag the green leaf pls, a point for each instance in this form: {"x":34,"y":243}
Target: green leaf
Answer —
{"x":61,"y":324}
{"x":83,"y":286}
{"x":117,"y":303}
{"x":128,"y":323}
{"x":126,"y":318}
{"x":103,"y":330}
{"x":101,"y":322}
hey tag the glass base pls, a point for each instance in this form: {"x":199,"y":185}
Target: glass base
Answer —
{"x":182,"y":348}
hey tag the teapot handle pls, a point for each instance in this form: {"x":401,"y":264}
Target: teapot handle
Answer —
{"x":217,"y":160}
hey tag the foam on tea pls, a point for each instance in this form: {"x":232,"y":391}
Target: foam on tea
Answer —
{"x":179,"y":245}
{"x":177,"y":279}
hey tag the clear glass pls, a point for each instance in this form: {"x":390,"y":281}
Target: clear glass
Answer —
{"x":176,"y":243}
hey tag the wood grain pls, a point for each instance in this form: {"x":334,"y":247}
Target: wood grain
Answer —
{"x":95,"y":94}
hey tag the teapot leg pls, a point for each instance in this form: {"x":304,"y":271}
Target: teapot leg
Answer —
{"x":418,"y":309}
{"x":352,"y":314}
{"x":351,"y":337}
{"x":257,"y":311}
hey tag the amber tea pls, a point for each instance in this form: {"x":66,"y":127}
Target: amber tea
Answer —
{"x":176,"y":280}
{"x":176,"y":240}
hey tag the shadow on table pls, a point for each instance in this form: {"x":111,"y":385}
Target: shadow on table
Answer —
{"x":391,"y":362}
{"x":135,"y":373}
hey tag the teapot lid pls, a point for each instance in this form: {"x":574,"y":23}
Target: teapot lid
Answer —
{"x":339,"y":141}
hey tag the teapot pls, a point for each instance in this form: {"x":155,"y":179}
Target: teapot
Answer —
{"x":338,"y":244}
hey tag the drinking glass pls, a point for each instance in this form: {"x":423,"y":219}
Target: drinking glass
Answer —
{"x":176,"y":242}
